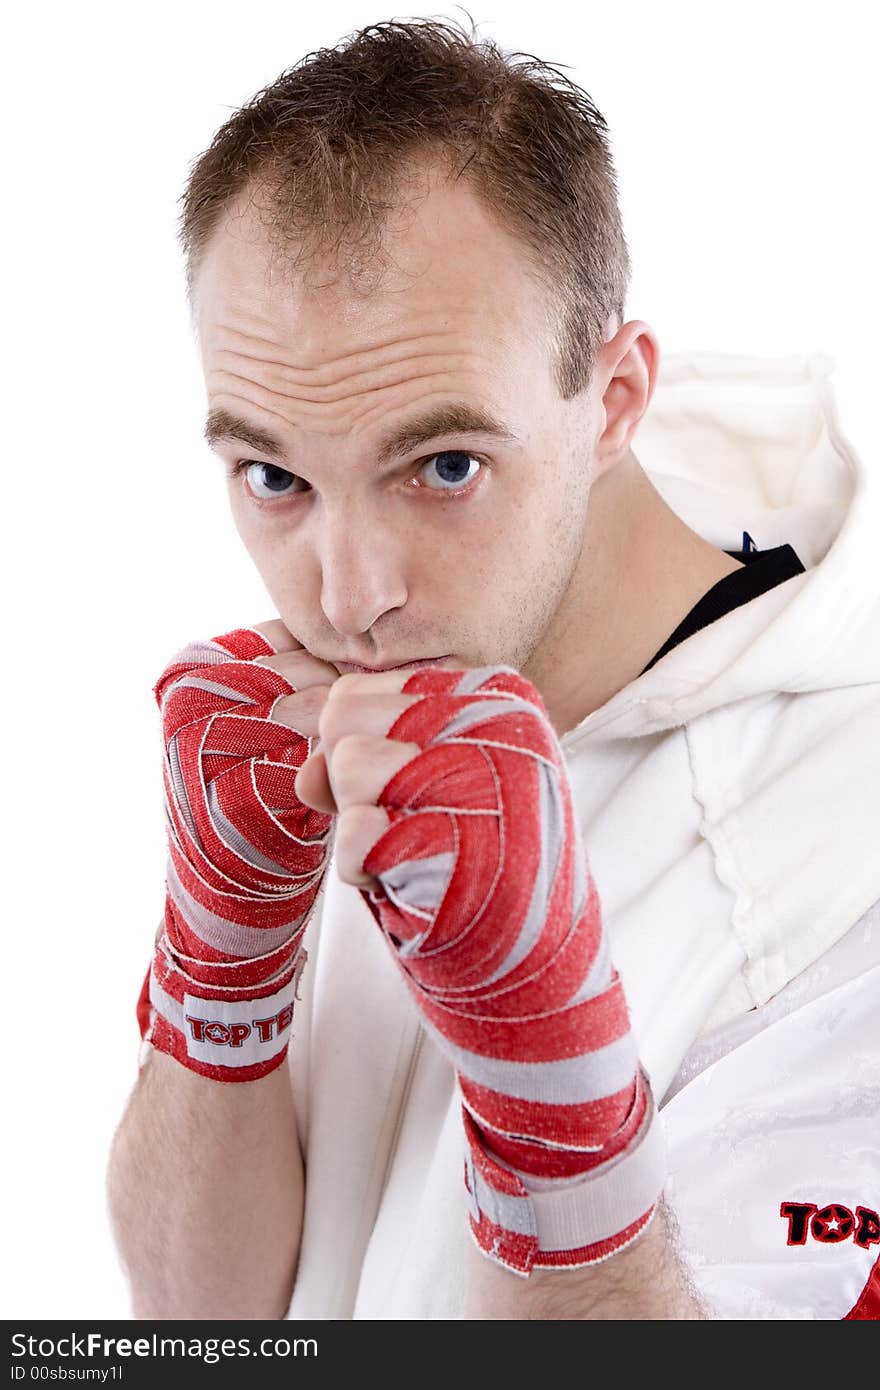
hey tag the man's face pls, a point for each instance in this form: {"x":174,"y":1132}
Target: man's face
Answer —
{"x":462,"y":545}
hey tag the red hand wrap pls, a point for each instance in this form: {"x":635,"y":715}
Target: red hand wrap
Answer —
{"x":246,"y":859}
{"x":487,"y":901}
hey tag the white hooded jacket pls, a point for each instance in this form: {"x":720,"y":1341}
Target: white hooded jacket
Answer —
{"x":729,"y":800}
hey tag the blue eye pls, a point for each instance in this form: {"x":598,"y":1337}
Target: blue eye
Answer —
{"x":455,"y":468}
{"x":274,"y":481}
{"x":450,"y":469}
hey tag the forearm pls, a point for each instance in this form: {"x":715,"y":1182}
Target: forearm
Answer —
{"x":644,"y":1281}
{"x":205,"y":1188}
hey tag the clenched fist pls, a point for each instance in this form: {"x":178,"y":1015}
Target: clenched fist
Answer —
{"x":246,"y":857}
{"x":455,"y":820}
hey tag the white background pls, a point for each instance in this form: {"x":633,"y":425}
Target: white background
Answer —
{"x":745,"y":137}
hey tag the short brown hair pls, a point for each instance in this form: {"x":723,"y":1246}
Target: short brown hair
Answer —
{"x":332,"y":136}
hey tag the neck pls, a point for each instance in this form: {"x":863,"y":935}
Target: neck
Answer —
{"x":641,"y":569}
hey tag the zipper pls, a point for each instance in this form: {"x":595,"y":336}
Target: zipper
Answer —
{"x":404,"y":1098}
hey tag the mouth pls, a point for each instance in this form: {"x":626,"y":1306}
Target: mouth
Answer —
{"x":345,"y":667}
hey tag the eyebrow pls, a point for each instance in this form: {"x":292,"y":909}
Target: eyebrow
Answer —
{"x":455,"y":418}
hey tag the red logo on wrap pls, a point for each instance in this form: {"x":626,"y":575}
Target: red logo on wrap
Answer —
{"x":234,"y":1034}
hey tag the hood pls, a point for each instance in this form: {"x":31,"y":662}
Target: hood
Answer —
{"x":734,"y":444}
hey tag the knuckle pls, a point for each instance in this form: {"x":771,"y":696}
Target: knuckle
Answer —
{"x":361,"y":765}
{"x":301,"y":710}
{"x":357,"y":830}
{"x":347,"y":686}
{"x":336,"y":715}
{"x":309,"y":700}
{"x":298,"y":668}
{"x":351,"y":766}
{"x":350,"y":753}
{"x":277,"y":634}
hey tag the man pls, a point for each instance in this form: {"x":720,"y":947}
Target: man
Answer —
{"x":628,"y":748}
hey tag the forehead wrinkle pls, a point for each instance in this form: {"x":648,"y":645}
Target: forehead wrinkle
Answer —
{"x":313,"y":400}
{"x":393,"y":350}
{"x":289,"y":375}
{"x":463,"y":373}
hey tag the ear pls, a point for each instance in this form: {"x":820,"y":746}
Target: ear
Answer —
{"x":626,"y":375}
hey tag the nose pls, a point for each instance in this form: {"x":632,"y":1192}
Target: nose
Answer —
{"x":362,"y":575}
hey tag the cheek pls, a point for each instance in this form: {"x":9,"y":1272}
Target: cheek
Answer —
{"x":268,"y":543}
{"x":260,"y":535}
{"x":525,"y":527}
{"x":542,"y":538}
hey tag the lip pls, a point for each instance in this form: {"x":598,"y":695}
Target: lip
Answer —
{"x":347,"y":666}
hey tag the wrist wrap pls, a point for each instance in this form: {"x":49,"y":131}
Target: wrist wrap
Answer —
{"x":486,"y":899}
{"x":245,"y":863}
